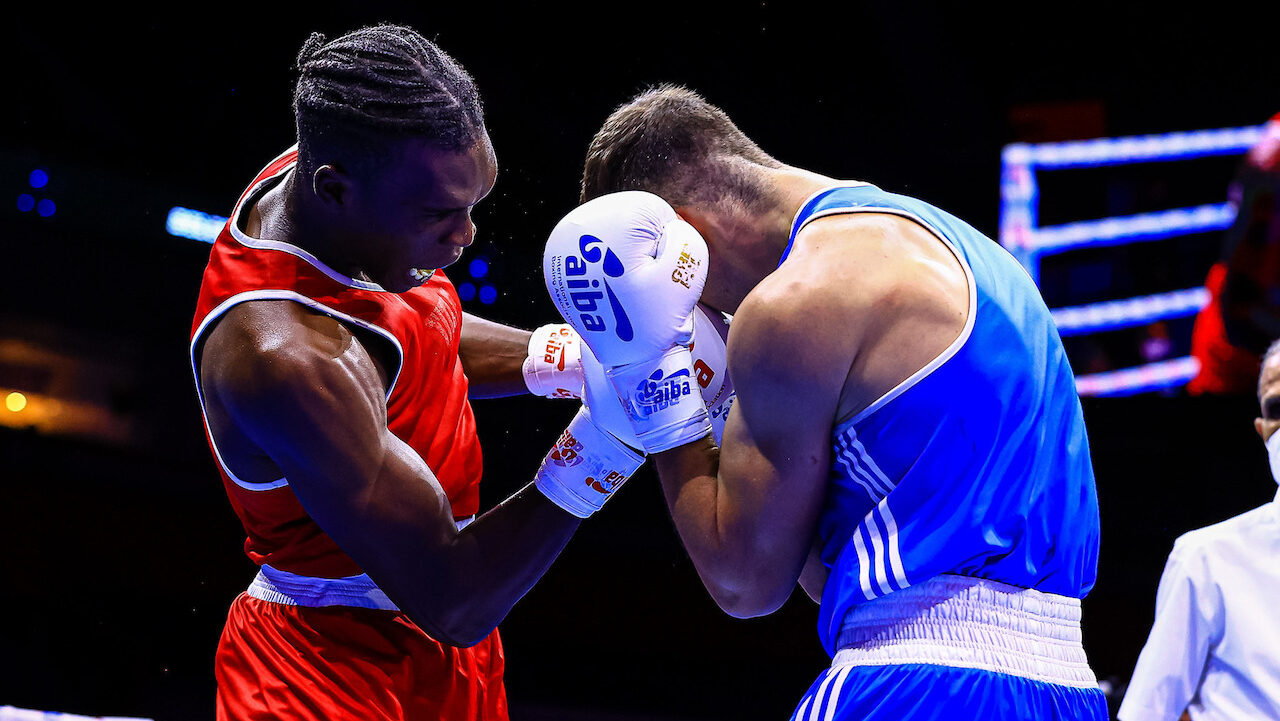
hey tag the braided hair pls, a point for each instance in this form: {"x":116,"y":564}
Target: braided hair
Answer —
{"x":375,"y":84}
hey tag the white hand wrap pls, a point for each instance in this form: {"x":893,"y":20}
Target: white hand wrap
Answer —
{"x":553,"y":368}
{"x":585,"y":467}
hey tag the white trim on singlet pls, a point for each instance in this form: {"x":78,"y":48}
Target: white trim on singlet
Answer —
{"x":972,"y":623}
{"x":955,"y":346}
{"x":263,"y":244}
{"x":303,"y":300}
{"x":816,"y":193}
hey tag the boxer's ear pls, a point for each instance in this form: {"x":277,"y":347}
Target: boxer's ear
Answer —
{"x":331,"y":185}
{"x":1260,"y":428}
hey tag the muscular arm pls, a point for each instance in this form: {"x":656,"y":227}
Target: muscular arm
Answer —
{"x":861,"y":305}
{"x":308,"y":394}
{"x":747,"y":513}
{"x":491,"y":355}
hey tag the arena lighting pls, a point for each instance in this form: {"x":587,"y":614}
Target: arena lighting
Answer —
{"x":478,"y":268}
{"x":466,"y":291}
{"x":38,"y":178}
{"x":15,"y":402}
{"x":1021,"y":234}
{"x":193,"y":224}
{"x":26,"y":203}
{"x":1140,"y":379}
{"x":488,"y":295}
{"x":1116,"y":314}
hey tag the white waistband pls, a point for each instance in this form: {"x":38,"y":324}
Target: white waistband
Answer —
{"x":970,"y":623}
{"x":276,"y":586}
{"x":272,"y":584}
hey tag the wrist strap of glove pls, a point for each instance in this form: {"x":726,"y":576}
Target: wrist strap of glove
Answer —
{"x":662,"y":400}
{"x":585,"y":467}
{"x":553,"y":367}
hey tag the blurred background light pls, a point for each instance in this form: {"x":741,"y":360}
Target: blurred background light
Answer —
{"x":466,"y":291}
{"x":194,"y":224}
{"x":15,"y":402}
{"x":38,"y":178}
{"x":488,"y":294}
{"x":26,"y":202}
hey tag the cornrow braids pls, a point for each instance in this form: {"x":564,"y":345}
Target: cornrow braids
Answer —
{"x":379,"y":83}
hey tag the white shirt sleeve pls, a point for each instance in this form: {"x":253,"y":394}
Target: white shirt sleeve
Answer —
{"x":1188,"y":623}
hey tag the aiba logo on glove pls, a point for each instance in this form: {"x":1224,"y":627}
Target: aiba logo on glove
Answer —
{"x":659,"y":392}
{"x":608,"y":484}
{"x":584,"y":293}
{"x":567,"y":451}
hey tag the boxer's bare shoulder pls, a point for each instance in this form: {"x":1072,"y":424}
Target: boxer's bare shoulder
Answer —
{"x":882,"y":288}
{"x":267,"y":355}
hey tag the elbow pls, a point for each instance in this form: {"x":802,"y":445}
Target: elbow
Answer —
{"x":454,"y":630}
{"x":758,"y":597}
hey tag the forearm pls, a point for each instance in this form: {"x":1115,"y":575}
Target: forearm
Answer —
{"x":460,"y":590}
{"x":492,"y":355}
{"x":705,"y":519}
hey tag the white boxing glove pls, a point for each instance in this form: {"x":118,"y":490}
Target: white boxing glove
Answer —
{"x":553,"y":368}
{"x":626,"y":272}
{"x":585,"y":467}
{"x":710,"y":373}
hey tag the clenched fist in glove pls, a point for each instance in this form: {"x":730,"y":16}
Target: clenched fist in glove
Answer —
{"x":626,"y":272}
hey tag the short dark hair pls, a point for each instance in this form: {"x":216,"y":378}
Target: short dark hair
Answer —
{"x":669,"y":141}
{"x":376,"y":84}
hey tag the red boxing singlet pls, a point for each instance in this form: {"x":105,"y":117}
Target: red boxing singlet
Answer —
{"x":313,"y":637}
{"x":427,"y":407}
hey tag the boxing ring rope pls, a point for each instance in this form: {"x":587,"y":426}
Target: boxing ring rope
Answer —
{"x":10,"y":713}
{"x":1028,"y":241}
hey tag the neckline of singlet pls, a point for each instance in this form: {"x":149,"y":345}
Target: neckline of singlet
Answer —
{"x":813,"y":198}
{"x":252,"y":196}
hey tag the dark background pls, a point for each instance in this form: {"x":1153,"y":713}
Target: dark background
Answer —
{"x":121,"y":557}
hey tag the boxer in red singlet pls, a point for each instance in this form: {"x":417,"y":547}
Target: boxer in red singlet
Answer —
{"x":334,"y":365}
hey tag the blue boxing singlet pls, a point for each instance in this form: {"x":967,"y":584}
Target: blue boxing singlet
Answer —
{"x":960,"y":526}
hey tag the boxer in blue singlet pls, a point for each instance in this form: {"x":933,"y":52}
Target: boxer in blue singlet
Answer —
{"x":907,"y":441}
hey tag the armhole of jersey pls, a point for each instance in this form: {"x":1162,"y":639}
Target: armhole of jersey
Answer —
{"x":197,"y":343}
{"x":956,"y":344}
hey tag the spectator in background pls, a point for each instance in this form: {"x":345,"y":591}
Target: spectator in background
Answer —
{"x":1243,"y":313}
{"x":1214,"y":649}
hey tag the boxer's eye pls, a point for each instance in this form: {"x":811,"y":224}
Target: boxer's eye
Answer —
{"x":1271,"y":409}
